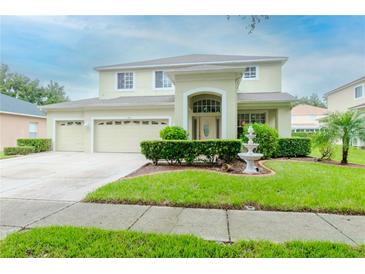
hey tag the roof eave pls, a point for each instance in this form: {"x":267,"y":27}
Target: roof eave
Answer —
{"x":111,"y":106}
{"x":113,"y":67}
{"x":344,"y":86}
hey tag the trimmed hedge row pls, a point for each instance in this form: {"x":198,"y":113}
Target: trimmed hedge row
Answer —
{"x":294,"y":147}
{"x":39,"y":144}
{"x":303,"y":134}
{"x":177,"y":151}
{"x":22,"y":150}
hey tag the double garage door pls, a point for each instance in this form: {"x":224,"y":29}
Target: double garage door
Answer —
{"x":109,"y":135}
{"x":125,"y":135}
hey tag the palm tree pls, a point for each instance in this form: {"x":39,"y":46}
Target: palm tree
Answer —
{"x":346,"y":126}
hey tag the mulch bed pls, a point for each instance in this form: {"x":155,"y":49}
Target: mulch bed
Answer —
{"x":315,"y":160}
{"x":234,"y":168}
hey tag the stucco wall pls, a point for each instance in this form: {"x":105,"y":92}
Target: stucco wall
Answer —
{"x":344,"y":99}
{"x":278,"y":115}
{"x":87,"y":115}
{"x":208,"y":83}
{"x":144,"y":85}
{"x":13,"y":127}
{"x":269,"y":81}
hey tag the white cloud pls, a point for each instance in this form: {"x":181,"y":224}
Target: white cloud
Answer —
{"x":315,"y":64}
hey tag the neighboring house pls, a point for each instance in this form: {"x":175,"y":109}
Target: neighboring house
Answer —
{"x":346,"y":97}
{"x":211,"y":96}
{"x":19,"y":119}
{"x":305,"y":118}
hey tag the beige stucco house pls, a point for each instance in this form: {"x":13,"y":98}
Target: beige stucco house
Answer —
{"x":211,"y":96}
{"x":347,"y":97}
{"x":19,"y":119}
{"x":306,"y":118}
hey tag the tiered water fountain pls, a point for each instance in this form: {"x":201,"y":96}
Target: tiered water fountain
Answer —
{"x":250,"y":157}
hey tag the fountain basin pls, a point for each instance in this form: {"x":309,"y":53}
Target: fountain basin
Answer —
{"x":250,"y":159}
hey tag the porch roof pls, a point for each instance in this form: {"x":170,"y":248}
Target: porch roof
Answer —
{"x":359,"y":107}
{"x":165,"y":100}
{"x":123,"y":101}
{"x":262,"y":97}
{"x":206,"y":68}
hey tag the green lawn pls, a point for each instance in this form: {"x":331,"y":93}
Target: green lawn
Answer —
{"x":356,"y":156}
{"x":3,"y":156}
{"x":70,"y":242}
{"x":296,"y":186}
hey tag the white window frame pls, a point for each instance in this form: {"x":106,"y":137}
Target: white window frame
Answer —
{"x":363,"y":91}
{"x":254,"y":112}
{"x":36,"y":129}
{"x":257,"y":73}
{"x":154,"y":82}
{"x":125,"y":89}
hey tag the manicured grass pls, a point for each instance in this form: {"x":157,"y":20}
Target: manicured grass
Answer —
{"x":3,"y":156}
{"x":356,"y":155}
{"x":70,"y":242}
{"x":296,"y":186}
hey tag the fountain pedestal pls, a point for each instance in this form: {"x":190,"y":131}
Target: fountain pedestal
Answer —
{"x":250,"y":157}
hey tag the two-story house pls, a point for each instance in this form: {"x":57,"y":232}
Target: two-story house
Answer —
{"x":350,"y":96}
{"x":211,"y":96}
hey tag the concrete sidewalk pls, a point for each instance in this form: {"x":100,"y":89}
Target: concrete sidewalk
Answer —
{"x":210,"y":224}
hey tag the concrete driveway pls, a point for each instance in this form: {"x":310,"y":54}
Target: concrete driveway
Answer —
{"x":63,"y":176}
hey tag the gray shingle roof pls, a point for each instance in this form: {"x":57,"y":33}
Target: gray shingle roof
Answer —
{"x":14,"y":105}
{"x":265,"y":97}
{"x":204,"y":68}
{"x":115,"y":102}
{"x":193,"y":59}
{"x":166,"y":100}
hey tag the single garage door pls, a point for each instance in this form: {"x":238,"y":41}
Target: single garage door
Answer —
{"x":125,"y":135}
{"x":70,"y":136}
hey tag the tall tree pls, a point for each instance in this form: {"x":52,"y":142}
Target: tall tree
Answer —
{"x":313,"y":100}
{"x":54,"y":93}
{"x":345,"y":126}
{"x":251,"y":21}
{"x":24,"y":88}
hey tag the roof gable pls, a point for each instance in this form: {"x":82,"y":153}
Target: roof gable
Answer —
{"x":193,"y":59}
{"x":17,"y":106}
{"x":304,"y":109}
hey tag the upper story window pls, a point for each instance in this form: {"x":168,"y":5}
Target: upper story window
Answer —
{"x":161,"y":80}
{"x":125,"y":80}
{"x":33,"y":130}
{"x":359,"y":91}
{"x":251,"y":73}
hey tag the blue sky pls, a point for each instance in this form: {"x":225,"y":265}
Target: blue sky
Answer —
{"x":324,"y":51}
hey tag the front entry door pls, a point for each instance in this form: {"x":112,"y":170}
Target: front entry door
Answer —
{"x":208,"y":128}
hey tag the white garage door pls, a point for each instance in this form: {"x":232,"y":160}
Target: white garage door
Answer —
{"x":125,"y":135}
{"x":70,"y":136}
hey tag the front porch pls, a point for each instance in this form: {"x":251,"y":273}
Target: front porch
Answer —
{"x":209,"y":106}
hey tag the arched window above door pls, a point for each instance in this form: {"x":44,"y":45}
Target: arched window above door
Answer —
{"x":206,"y":106}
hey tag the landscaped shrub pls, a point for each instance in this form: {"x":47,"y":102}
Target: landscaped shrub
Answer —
{"x":294,"y":147}
{"x":303,"y":134}
{"x":39,"y":144}
{"x":173,"y":133}
{"x":323,"y":141}
{"x":22,"y":150}
{"x":266,"y":137}
{"x":176,"y":151}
